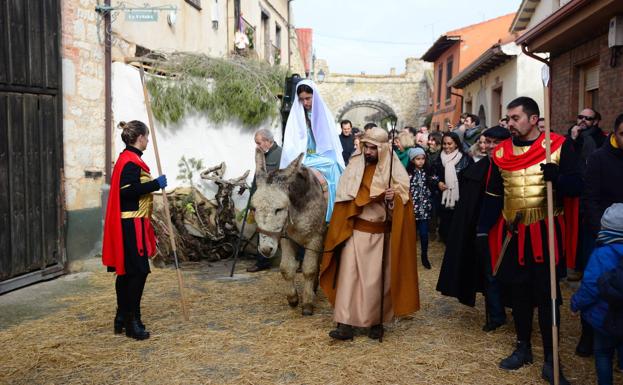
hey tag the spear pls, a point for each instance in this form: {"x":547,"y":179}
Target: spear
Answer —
{"x":167,"y":214}
{"x":545,"y":76}
{"x":550,"y":232}
{"x":385,"y":233}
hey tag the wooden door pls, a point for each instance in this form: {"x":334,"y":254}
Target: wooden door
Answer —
{"x":31,"y":224}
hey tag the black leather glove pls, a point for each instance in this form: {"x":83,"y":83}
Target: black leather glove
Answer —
{"x":551,"y":172}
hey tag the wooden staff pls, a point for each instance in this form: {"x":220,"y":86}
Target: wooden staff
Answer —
{"x":386,"y":236}
{"x":550,"y":233}
{"x":167,"y":214}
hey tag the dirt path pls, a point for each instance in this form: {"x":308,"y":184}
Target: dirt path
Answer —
{"x":242,"y":332}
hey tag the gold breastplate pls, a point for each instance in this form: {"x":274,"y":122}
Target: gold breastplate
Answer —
{"x":145,"y":202}
{"x":525,"y":191}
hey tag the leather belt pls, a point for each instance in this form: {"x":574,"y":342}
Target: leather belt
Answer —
{"x":372,"y":227}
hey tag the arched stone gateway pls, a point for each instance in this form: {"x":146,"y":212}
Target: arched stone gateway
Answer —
{"x":382,"y":109}
{"x":406,"y":96}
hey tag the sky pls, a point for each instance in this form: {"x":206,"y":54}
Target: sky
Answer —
{"x":373,"y":36}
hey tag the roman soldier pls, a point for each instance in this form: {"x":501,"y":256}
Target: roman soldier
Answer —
{"x":128,"y":234}
{"x":516,"y":198}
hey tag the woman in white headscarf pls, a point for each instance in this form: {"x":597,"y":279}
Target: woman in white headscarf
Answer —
{"x":312,"y":130}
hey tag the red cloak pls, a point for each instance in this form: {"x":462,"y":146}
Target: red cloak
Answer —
{"x":112,"y":244}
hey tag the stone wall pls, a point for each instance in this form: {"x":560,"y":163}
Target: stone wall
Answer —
{"x":406,"y":94}
{"x":83,"y":123}
{"x":83,"y":103}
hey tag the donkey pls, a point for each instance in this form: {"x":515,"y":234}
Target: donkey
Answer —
{"x":290,"y":208}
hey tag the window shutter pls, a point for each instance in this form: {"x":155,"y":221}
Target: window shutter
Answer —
{"x":591,"y":78}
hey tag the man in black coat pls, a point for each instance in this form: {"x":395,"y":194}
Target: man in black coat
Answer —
{"x":466,"y":268}
{"x":603,"y":186}
{"x":347,"y":139}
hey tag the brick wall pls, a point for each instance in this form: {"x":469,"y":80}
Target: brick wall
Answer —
{"x":566,"y":84}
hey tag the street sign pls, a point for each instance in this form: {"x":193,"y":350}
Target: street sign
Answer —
{"x":141,"y":16}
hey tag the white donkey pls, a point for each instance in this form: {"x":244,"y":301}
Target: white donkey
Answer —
{"x":290,"y":208}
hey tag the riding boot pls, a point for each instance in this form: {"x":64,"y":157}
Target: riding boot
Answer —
{"x":376,"y":332}
{"x":426,"y":262}
{"x":132,"y":329}
{"x":119,"y":322}
{"x":521,"y":356}
{"x":139,"y":321}
{"x":585,"y":345}
{"x":342,"y":332}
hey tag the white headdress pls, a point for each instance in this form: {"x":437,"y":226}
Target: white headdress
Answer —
{"x":323,"y":124}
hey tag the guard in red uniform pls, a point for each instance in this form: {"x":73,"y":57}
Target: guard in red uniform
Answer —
{"x":516,"y":193}
{"x":128,"y":234}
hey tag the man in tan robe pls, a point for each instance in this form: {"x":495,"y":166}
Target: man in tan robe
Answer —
{"x":359,"y":234}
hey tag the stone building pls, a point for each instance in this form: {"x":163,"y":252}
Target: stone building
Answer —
{"x":363,"y":98}
{"x":83,"y":124}
{"x":57,"y":65}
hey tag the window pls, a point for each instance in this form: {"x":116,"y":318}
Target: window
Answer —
{"x":468,"y":106}
{"x":439,"y":80}
{"x":589,"y":86}
{"x":496,"y":105}
{"x":195,"y":3}
{"x":277,"y":45}
{"x":277,"y":35}
{"x":266,"y":35}
{"x":449,"y":64}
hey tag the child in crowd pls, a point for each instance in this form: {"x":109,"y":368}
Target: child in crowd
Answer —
{"x":422,"y":183}
{"x":594,"y":307}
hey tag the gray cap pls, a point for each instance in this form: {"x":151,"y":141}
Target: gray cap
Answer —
{"x":415,"y":151}
{"x":613,"y":218}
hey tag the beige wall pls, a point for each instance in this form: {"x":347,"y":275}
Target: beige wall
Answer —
{"x":277,"y":11}
{"x":83,"y":103}
{"x":521,"y":76}
{"x":193,"y":30}
{"x":543,"y":9}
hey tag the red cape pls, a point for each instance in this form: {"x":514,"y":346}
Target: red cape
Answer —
{"x":505,"y":159}
{"x":112,"y":245}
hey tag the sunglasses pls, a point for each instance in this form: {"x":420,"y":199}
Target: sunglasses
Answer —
{"x":589,"y":118}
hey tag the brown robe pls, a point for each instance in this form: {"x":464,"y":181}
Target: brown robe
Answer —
{"x":401,"y":265}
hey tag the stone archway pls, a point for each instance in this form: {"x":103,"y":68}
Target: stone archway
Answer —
{"x":383,"y":110}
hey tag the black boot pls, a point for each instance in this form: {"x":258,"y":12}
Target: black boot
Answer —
{"x":139,"y":322}
{"x":132,"y":329}
{"x":521,"y":356}
{"x":492,"y":325}
{"x":119,"y":322}
{"x":342,"y":332}
{"x":585,"y":345}
{"x":426,"y":262}
{"x":376,"y":332}
{"x":548,"y":372}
